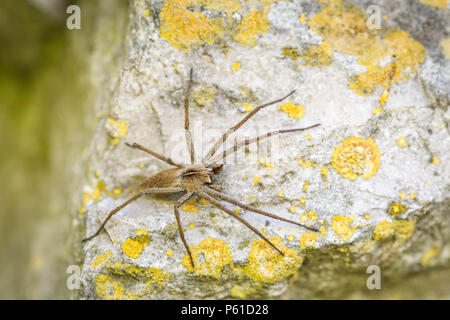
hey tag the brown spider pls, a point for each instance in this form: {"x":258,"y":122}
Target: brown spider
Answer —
{"x":196,"y":178}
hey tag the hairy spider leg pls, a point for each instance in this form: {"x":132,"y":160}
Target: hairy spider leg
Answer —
{"x":190,"y":143}
{"x":246,"y":142}
{"x":228,"y":199}
{"x":157,"y":155}
{"x":224,"y":137}
{"x":234,"y":215}
{"x":133,"y":198}
{"x":178,"y":204}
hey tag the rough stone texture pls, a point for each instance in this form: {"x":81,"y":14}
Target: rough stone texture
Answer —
{"x":397,"y":218}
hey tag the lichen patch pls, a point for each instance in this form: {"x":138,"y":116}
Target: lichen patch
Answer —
{"x":266,"y":265}
{"x":343,"y":27}
{"x":356,"y":157}
{"x":134,"y":246}
{"x":398,"y":230}
{"x":210,"y":258}
{"x":341,"y":225}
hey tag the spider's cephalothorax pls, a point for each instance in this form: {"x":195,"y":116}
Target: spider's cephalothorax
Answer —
{"x":197,"y":178}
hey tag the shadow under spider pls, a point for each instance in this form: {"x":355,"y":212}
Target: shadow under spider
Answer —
{"x":196,"y":177}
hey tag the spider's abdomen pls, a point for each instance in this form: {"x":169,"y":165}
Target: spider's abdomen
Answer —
{"x":165,"y":179}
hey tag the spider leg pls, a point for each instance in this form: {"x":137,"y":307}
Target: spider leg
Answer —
{"x":133,"y":198}
{"x":234,"y":215}
{"x":233,"y":149}
{"x":189,"y":141}
{"x":180,"y":201}
{"x":215,"y":187}
{"x":157,"y":155}
{"x":224,"y":137}
{"x":228,"y":199}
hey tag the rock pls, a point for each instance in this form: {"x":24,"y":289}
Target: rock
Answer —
{"x":373,"y":177}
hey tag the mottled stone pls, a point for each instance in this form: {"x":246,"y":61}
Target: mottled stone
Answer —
{"x":337,"y":86}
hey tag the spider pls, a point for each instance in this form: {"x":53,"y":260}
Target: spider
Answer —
{"x":196,"y":177}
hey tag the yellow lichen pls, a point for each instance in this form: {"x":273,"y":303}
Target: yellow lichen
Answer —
{"x":185,"y":29}
{"x":108,"y":288}
{"x":341,"y":226}
{"x":291,"y":52}
{"x":281,"y":194}
{"x":239,"y":292}
{"x":291,"y":237}
{"x":401,"y":142}
{"x":169,"y":253}
{"x":292,"y":209}
{"x":402,"y":195}
{"x":307,"y":163}
{"x":210,"y":257}
{"x":356,"y":157}
{"x":86,"y":197}
{"x":428,"y":256}
{"x":441,"y":4}
{"x":134,"y":246}
{"x":412,"y":195}
{"x":308,"y":239}
{"x":305,"y":186}
{"x":204,"y":96}
{"x":316,"y":56}
{"x":266,"y":265}
{"x":203,"y":202}
{"x":302,"y":18}
{"x":247,"y":107}
{"x":119,"y":132}
{"x":256,"y":179}
{"x":253,"y":24}
{"x":436,"y":161}
{"x":302,"y":200}
{"x":312,"y":215}
{"x":101,"y":258}
{"x":377,"y":111}
{"x":396,"y":208}
{"x":293,"y":111}
{"x":81,"y":209}
{"x":343,"y":27}
{"x":303,"y":218}
{"x":445,"y":44}
{"x":154,"y":279}
{"x":236,"y":210}
{"x":384,"y":97}
{"x":96,"y":194}
{"x":189,"y":208}
{"x":399,"y":230}
{"x":308,"y":136}
{"x":235,"y":67}
{"x":192,"y":226}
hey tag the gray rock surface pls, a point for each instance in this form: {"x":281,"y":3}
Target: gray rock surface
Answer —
{"x":395,"y":216}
